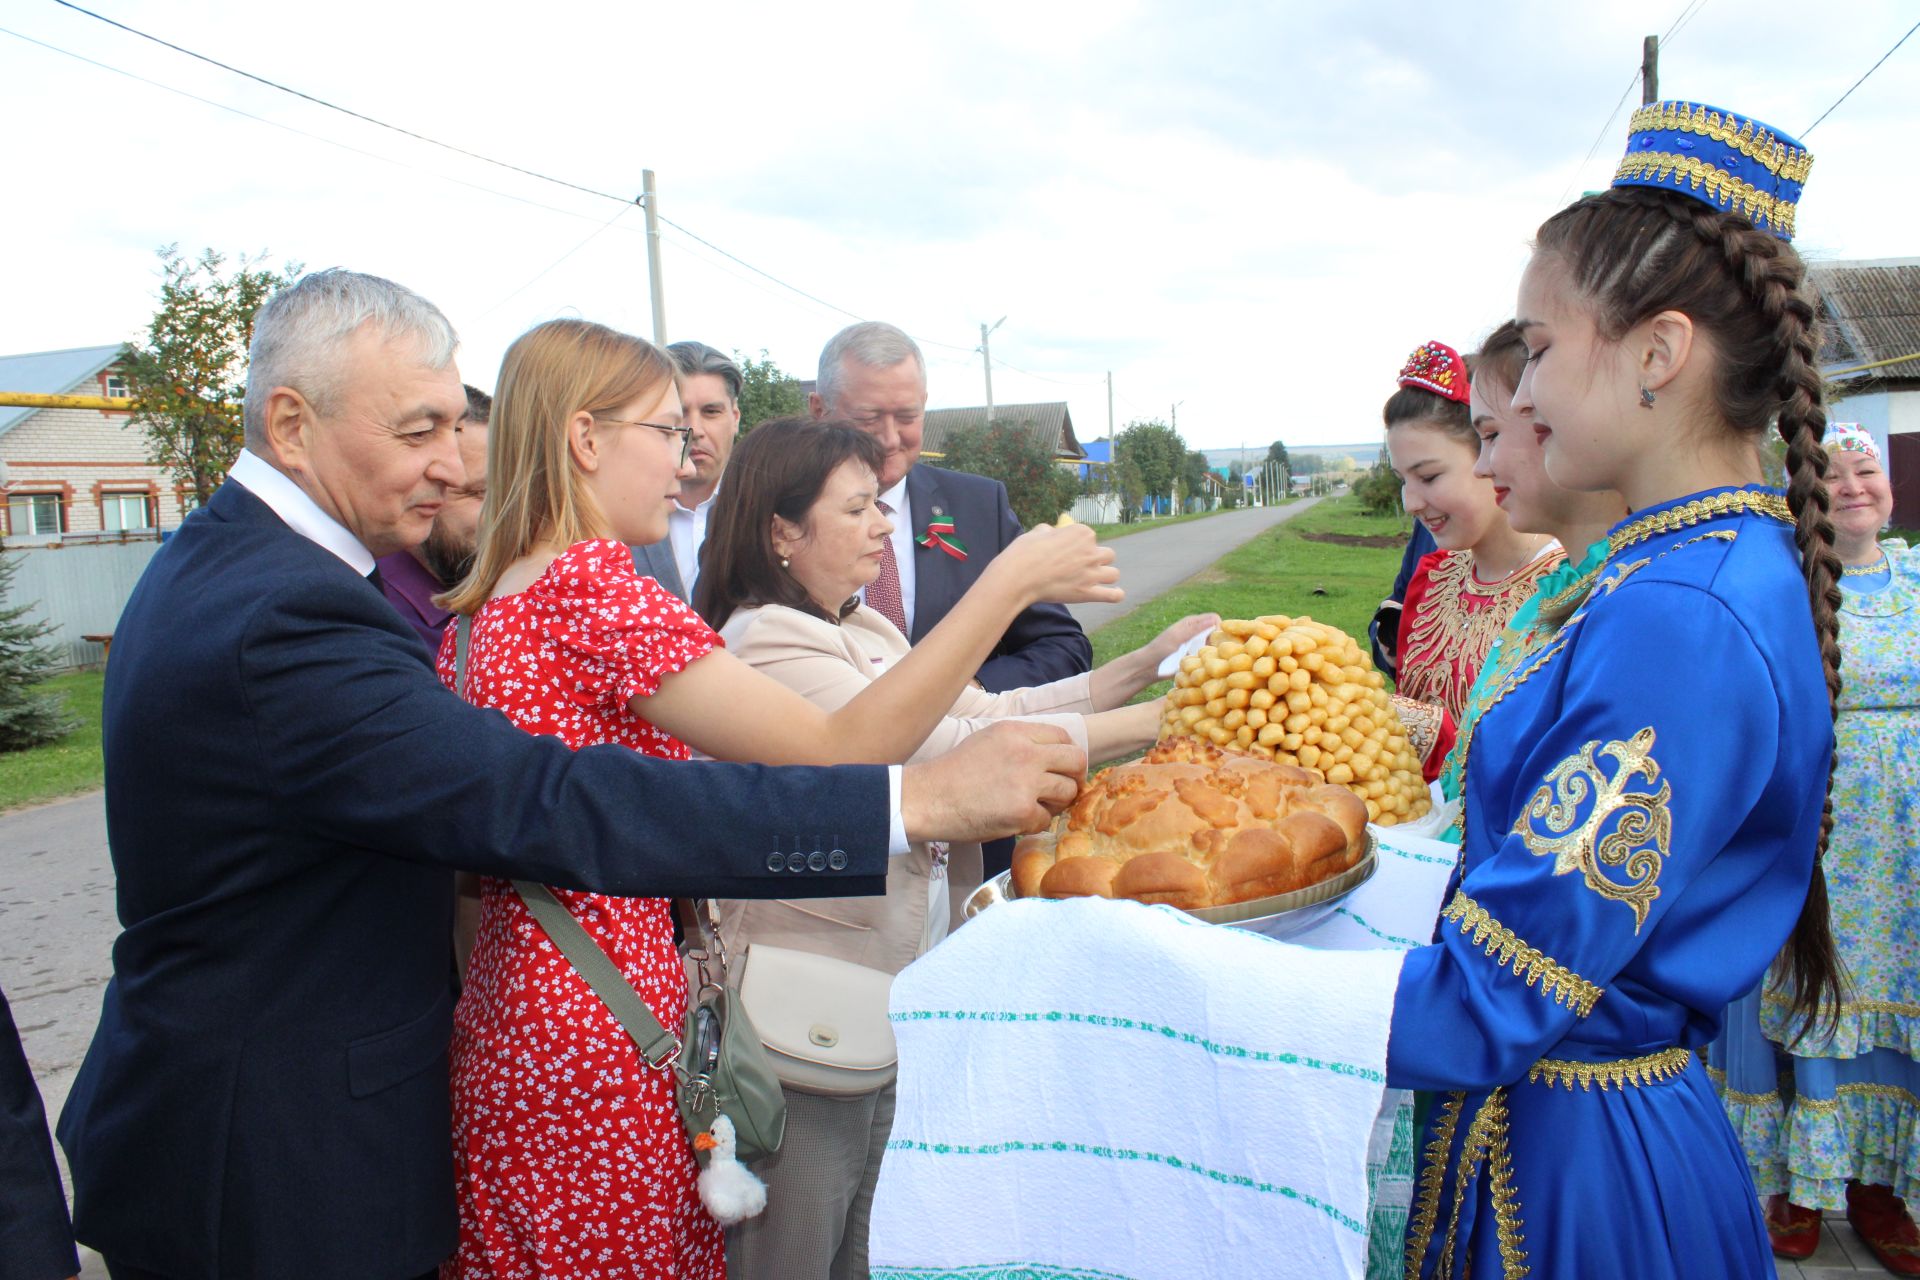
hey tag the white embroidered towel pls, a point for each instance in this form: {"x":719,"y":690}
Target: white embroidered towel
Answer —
{"x":1099,"y":1088}
{"x":1397,"y":907}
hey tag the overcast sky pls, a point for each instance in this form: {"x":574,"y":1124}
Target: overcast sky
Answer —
{"x":1255,"y":213}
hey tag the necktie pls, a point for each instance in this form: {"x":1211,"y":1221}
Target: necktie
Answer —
{"x":883,"y":593}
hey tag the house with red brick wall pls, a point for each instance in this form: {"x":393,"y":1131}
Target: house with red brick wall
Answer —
{"x":78,"y":474}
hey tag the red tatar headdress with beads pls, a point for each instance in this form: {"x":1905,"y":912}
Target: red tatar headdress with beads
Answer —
{"x":1436,"y":367}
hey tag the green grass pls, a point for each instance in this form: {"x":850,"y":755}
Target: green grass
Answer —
{"x":67,"y":766}
{"x":1278,"y":572}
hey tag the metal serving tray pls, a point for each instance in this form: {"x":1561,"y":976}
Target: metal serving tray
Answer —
{"x":1280,"y":916}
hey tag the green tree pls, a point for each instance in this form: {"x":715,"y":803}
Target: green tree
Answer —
{"x":1194,"y":477}
{"x":1149,"y":455}
{"x":766,"y":391}
{"x":1236,"y":486}
{"x":27,"y":718}
{"x":188,"y":377}
{"x":1378,"y":488}
{"x":1038,"y":487}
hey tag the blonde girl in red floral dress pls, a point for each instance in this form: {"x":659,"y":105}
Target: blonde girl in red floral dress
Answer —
{"x":569,"y":1151}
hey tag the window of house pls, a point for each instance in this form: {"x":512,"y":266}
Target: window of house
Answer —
{"x":117,"y":385}
{"x":35,"y":514}
{"x":126,"y":512}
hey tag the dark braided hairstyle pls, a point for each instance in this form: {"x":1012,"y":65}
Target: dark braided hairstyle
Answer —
{"x":1633,"y":252}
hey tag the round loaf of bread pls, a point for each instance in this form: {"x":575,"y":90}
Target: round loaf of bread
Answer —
{"x":1192,"y":826}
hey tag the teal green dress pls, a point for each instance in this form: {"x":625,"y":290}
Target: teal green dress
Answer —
{"x":1846,"y":1106}
{"x":1523,"y":636}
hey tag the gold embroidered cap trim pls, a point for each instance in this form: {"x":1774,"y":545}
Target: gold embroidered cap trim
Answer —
{"x":1750,"y":140}
{"x":1758,"y":207}
{"x":1557,"y":982}
{"x":1738,"y":501}
{"x":1645,"y":1070}
{"x":1433,"y":1177}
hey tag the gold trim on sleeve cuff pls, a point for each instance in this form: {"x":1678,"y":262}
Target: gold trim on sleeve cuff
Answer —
{"x":1555,"y":980}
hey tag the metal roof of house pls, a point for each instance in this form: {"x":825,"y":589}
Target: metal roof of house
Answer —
{"x":1050,"y":423}
{"x":1872,"y":309}
{"x":49,"y":373}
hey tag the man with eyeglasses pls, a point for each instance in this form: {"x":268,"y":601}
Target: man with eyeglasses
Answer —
{"x":710,"y":385}
{"x":873,"y":375}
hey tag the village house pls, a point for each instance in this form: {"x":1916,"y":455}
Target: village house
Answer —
{"x":78,"y":474}
{"x":1870,"y":314}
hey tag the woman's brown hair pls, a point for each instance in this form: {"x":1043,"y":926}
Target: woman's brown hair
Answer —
{"x":1417,"y":406}
{"x":1633,"y":252}
{"x":535,"y":493}
{"x":1503,"y":357}
{"x":779,"y":469}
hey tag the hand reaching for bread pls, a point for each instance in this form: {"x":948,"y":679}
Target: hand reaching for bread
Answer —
{"x":1010,"y":778}
{"x":1063,"y":566}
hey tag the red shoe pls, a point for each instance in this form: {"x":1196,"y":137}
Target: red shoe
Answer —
{"x":1794,"y":1231}
{"x":1883,"y":1222}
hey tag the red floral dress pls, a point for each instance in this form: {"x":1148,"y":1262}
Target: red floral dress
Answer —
{"x":569,"y":1151}
{"x":1447,"y":626}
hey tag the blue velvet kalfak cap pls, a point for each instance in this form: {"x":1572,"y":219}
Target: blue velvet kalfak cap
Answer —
{"x":1740,"y":166}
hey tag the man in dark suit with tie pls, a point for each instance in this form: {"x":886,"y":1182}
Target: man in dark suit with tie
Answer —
{"x":288,"y":789}
{"x":873,"y":375}
{"x":710,"y":385}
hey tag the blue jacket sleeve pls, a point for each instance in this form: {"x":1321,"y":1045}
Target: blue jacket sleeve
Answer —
{"x":358,"y":737}
{"x":1645,"y":776}
{"x":1044,"y":643}
{"x":36,"y":1237}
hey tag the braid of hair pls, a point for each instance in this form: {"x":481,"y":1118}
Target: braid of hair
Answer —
{"x":1771,"y":276}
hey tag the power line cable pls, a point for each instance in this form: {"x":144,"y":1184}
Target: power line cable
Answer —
{"x":1686,"y":15}
{"x":1862,"y":80}
{"x":548,"y":269}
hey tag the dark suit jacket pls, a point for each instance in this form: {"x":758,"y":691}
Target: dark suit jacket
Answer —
{"x":288,"y":789}
{"x":36,"y":1237}
{"x":655,"y":560}
{"x":1044,"y":644}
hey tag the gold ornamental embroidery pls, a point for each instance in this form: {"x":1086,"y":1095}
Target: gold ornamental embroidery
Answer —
{"x":1648,"y":1069}
{"x":1453,"y":640}
{"x":1756,"y":206}
{"x":1739,"y":501}
{"x":1886,"y":1092}
{"x":1756,"y":142}
{"x":1557,"y":982}
{"x":1641,"y":823}
{"x":1433,"y":1177}
{"x":1486,"y":1142}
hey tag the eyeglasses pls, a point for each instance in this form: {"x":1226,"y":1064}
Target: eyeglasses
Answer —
{"x":684,"y":432}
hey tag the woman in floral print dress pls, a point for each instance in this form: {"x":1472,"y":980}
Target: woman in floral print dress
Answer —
{"x":569,"y":1152}
{"x":1833,"y":1121}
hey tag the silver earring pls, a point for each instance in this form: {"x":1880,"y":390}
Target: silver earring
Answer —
{"x":1646,"y":397}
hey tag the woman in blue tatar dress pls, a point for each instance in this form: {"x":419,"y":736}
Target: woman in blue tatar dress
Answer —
{"x":1644,"y":796}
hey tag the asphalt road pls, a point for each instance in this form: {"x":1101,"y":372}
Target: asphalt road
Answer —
{"x":57,"y":922}
{"x":1156,"y":560}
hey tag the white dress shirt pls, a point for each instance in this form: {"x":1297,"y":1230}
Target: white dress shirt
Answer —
{"x":303,"y":515}
{"x":687,"y":530}
{"x":902,"y":539}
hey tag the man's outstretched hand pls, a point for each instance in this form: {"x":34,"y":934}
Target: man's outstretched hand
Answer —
{"x":1008,"y":779}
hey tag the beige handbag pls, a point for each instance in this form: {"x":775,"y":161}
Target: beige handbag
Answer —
{"x":823,"y":1021}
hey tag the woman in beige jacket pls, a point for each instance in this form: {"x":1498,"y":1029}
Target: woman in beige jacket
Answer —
{"x":791,"y":541}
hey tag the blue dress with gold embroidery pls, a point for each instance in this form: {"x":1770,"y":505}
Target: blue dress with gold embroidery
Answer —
{"x":1642,"y":804}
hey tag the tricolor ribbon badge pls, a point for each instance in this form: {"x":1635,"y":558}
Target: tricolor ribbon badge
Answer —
{"x":939,"y":535}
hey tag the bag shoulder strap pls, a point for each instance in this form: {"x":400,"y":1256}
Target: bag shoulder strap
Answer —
{"x":656,"y":1044}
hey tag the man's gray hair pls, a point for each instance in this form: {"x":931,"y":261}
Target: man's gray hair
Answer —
{"x":299,"y":333}
{"x":696,"y":358}
{"x":873,"y":343}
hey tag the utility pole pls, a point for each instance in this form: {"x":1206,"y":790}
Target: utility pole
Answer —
{"x":1109,"y":412}
{"x":1649,"y":70}
{"x":650,"y":200}
{"x":986,"y":362}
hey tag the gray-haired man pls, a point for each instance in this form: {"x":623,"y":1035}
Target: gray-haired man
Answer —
{"x":710,"y":395}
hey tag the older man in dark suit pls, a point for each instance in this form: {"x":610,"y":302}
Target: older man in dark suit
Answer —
{"x":873,"y":375}
{"x":288,"y":788}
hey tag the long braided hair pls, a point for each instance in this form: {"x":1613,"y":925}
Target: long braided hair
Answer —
{"x":1633,"y":252}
